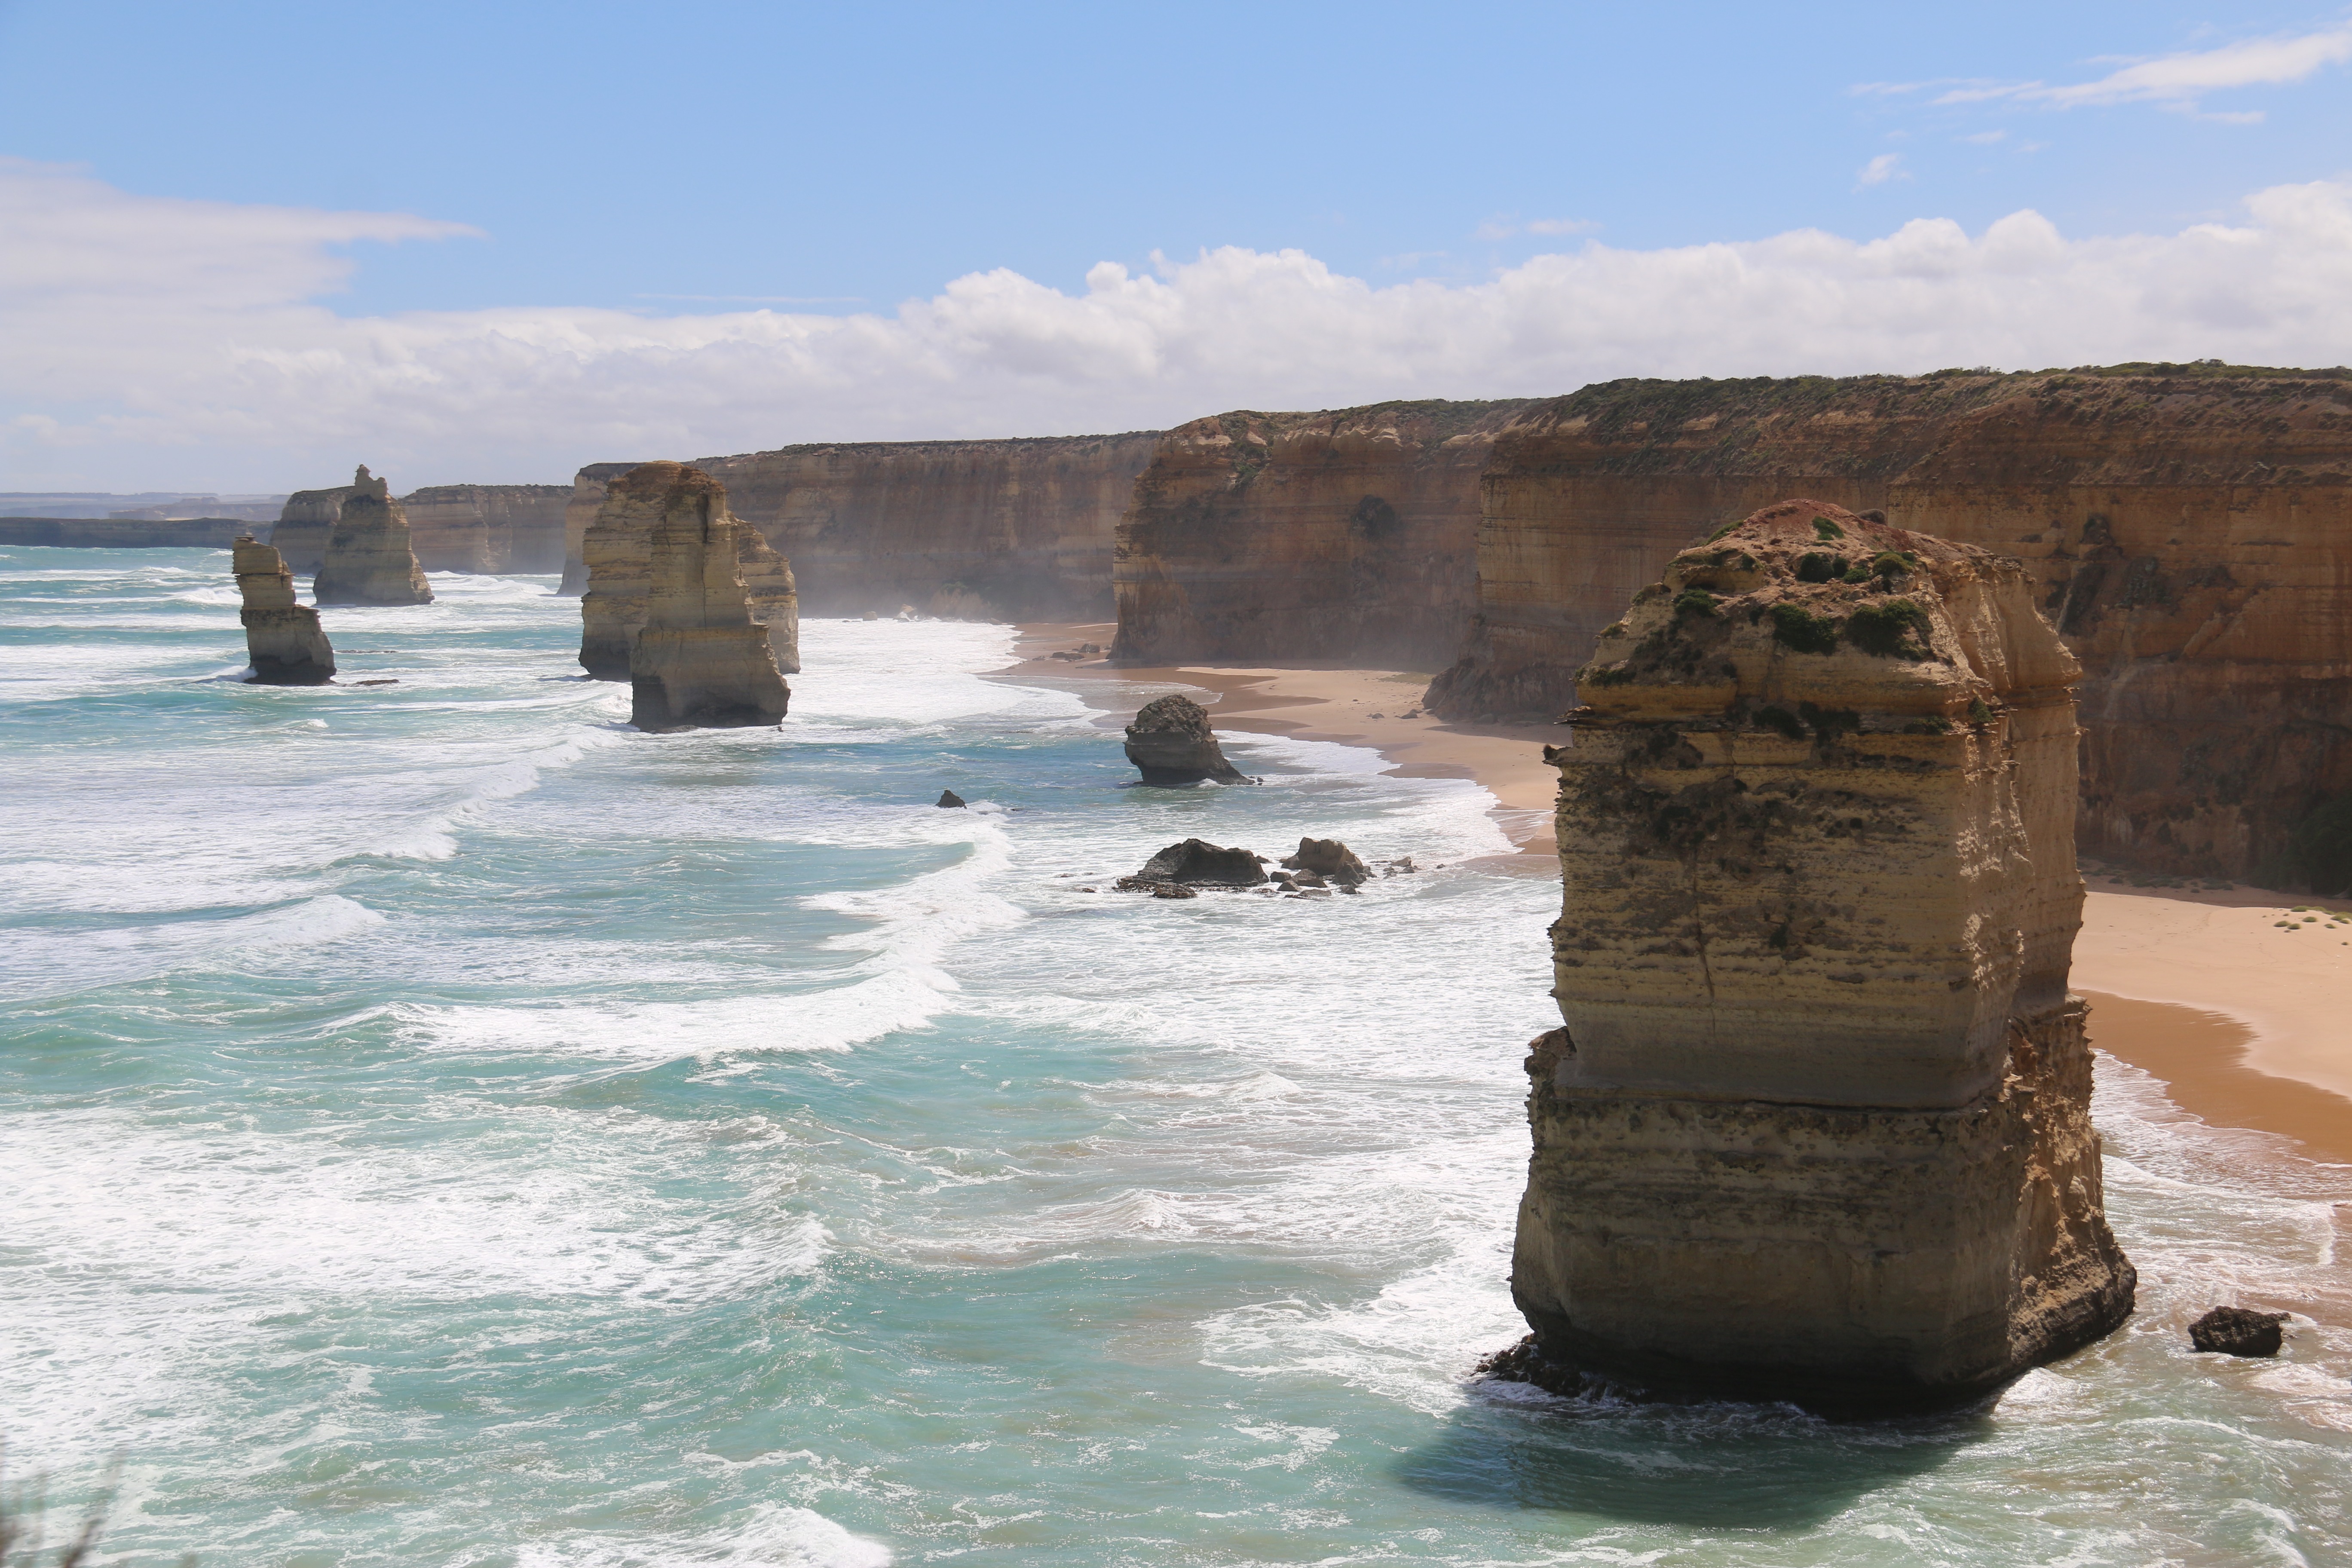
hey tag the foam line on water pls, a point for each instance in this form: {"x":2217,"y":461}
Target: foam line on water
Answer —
{"x":48,"y":962}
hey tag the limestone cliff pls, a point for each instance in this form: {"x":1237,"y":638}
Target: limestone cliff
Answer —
{"x":488,"y":528}
{"x":1336,"y":535}
{"x":588,"y":488}
{"x":283,"y":640}
{"x":618,"y":548}
{"x":2186,"y":528}
{"x":306,"y":519}
{"x":699,"y":659}
{"x":368,"y":559}
{"x":1818,"y":1125}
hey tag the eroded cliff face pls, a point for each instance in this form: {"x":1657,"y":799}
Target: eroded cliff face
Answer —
{"x":1336,"y":535}
{"x":488,"y":528}
{"x":700,"y":658}
{"x":283,"y":640}
{"x":588,"y":488}
{"x":300,"y":535}
{"x":619,"y":549}
{"x":2188,"y":530}
{"x":1817,"y":1127}
{"x":368,"y":558}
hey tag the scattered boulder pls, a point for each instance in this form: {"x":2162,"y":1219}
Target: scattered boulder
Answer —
{"x":368,"y":558}
{"x":1066,"y":655}
{"x":1327,"y":858}
{"x":1170,"y":743}
{"x":1401,"y":866}
{"x":700,"y":658}
{"x":283,"y":640}
{"x":2239,"y":1331}
{"x":1197,"y":862}
{"x":949,"y":800}
{"x":1089,"y":647}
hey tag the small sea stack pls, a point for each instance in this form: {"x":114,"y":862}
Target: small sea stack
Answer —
{"x":616,"y":550}
{"x":1817,"y":1128}
{"x":1170,"y":742}
{"x":368,"y":560}
{"x":283,"y":640}
{"x":699,"y":659}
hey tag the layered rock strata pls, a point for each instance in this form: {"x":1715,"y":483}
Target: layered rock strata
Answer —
{"x":368,"y":559}
{"x":1345,"y":535}
{"x":700,"y":658}
{"x":2185,"y":527}
{"x":1170,"y":743}
{"x":283,"y":640}
{"x":1817,"y":1127}
{"x":488,"y":528}
{"x":618,"y":548}
{"x":300,"y":535}
{"x":588,"y":488}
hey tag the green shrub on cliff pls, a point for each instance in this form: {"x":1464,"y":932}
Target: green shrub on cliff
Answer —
{"x":1796,"y":627}
{"x":1827,"y":530}
{"x":1694,"y":601}
{"x":1882,"y":629}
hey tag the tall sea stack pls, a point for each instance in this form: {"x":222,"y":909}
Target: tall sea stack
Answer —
{"x":368,"y":559}
{"x":283,"y":639}
{"x":699,"y":658}
{"x":1818,"y":1126}
{"x":617,"y":549}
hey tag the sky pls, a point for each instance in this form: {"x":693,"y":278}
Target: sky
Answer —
{"x":245,"y":247}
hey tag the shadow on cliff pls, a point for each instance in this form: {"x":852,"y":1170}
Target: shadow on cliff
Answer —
{"x":1723,"y":1466}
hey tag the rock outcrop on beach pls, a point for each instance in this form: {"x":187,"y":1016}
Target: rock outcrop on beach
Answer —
{"x":618,"y":548}
{"x":488,"y":528}
{"x":1170,"y":743}
{"x":1197,"y":863}
{"x":283,"y":640}
{"x":699,"y":659}
{"x":2186,"y":528}
{"x":368,"y":559}
{"x":1817,"y":1127}
{"x":1348,"y":534}
{"x":1330,"y":859}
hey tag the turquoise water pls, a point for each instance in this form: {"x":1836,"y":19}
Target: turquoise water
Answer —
{"x":445,"y":1126}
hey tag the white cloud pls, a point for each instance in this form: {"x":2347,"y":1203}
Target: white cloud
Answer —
{"x":1879,"y":169}
{"x":1507,"y":226}
{"x":129,"y":368}
{"x":2177,"y":81}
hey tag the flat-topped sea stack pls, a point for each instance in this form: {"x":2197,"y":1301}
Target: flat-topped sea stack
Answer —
{"x":618,"y":548}
{"x":368,"y":559}
{"x":699,"y":658}
{"x":1817,"y":1128}
{"x":283,"y":640}
{"x":307,"y":517}
{"x":1169,"y":742}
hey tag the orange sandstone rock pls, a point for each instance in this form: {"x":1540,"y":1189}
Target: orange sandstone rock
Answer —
{"x":283,"y":639}
{"x":618,"y":548}
{"x":368,"y":559}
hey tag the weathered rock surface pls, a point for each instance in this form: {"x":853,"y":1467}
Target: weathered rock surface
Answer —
{"x":619,"y":551}
{"x":368,"y":559}
{"x":1197,"y":863}
{"x":1329,"y":858}
{"x":699,"y":658}
{"x":283,"y":640}
{"x":588,"y":488}
{"x":1170,"y":743}
{"x":2187,"y":529}
{"x":300,"y":535}
{"x":2238,"y":1330}
{"x":1346,"y":534}
{"x":488,"y":528}
{"x":1818,"y":1125}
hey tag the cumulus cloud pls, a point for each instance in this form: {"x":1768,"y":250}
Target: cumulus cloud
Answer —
{"x":156,"y":342}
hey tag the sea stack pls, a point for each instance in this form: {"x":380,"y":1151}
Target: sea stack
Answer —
{"x":368,"y":560}
{"x":617,"y":550}
{"x":283,"y":639}
{"x":699,"y":659}
{"x":1170,"y":743}
{"x":1818,"y":1128}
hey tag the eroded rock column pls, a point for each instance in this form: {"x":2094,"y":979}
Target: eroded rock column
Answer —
{"x":283,"y":640}
{"x":368,"y":557}
{"x":1817,"y":1127}
{"x":699,"y":658}
{"x":617,"y":550}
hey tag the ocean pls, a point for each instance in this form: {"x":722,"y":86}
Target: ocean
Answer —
{"x":443,"y":1125}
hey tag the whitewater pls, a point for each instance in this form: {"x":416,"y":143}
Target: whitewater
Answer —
{"x":443,"y":1125}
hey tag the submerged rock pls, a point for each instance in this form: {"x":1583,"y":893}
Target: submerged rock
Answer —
{"x":616,"y":552}
{"x":1330,"y":858}
{"x":1818,"y":1126}
{"x":699,"y":660}
{"x":1196,"y":862}
{"x":1170,"y":742}
{"x":368,"y":558}
{"x":283,"y":640}
{"x":2238,"y":1330}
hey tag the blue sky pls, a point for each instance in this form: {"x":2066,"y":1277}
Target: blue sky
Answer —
{"x":833,"y":161}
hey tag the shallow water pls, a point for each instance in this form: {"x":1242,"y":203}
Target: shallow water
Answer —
{"x":446,"y":1126}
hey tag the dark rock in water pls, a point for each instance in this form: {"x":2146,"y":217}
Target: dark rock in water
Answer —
{"x":1328,"y":858}
{"x":2237,"y":1330}
{"x":1170,"y":743}
{"x":1173,"y":890}
{"x":386,"y":683}
{"x":1198,"y":862}
{"x":1158,"y":888}
{"x":1307,"y":879}
{"x":949,"y":798}
{"x":1401,"y":866}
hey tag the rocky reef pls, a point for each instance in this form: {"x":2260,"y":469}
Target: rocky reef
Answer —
{"x":283,"y":640}
{"x":699,"y":659}
{"x":1817,"y":1127}
{"x":1335,"y":535}
{"x":1170,"y":743}
{"x":488,"y":528}
{"x":618,"y":547}
{"x":368,"y":559}
{"x":2185,"y":527}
